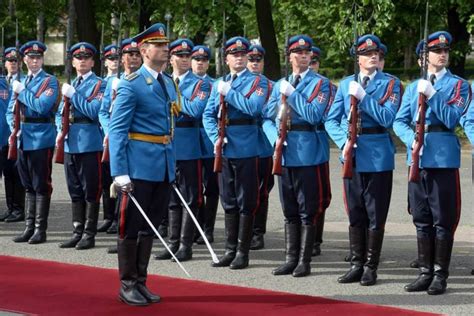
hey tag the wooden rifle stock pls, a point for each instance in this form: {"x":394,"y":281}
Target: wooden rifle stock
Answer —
{"x":414,"y":175}
{"x":221,"y":136}
{"x":12,"y":140}
{"x":282,"y":132}
{"x":59,"y":158}
{"x":352,"y":138}
{"x":106,"y":154}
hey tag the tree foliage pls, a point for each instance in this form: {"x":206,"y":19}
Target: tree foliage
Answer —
{"x":328,"y":22}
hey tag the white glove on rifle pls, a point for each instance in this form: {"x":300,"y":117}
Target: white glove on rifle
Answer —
{"x":225,"y":142}
{"x":17,"y":86}
{"x":68,"y":90}
{"x":345,"y":149}
{"x":356,"y":90}
{"x":115,"y":83}
{"x":425,"y":87}
{"x":286,"y":88}
{"x":223,"y":87}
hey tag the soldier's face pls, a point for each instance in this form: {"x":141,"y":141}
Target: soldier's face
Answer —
{"x":83,"y":64}
{"x":181,"y":63}
{"x":12,"y":66}
{"x":111,"y":64}
{"x":131,"y":61}
{"x":438,"y":58}
{"x":200,"y":66}
{"x":369,"y":61}
{"x":255,"y":64}
{"x":300,"y":59}
{"x":237,"y":62}
{"x":381,"y":63}
{"x":156,"y":53}
{"x":314,"y":65}
{"x":33,"y":63}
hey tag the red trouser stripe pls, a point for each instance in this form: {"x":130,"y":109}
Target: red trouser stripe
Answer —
{"x":458,"y":202}
{"x":123,"y":207}
{"x":258,"y":185}
{"x":199,"y":178}
{"x":99,"y":187}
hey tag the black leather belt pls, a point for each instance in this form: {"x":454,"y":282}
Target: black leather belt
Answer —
{"x":306,"y":128}
{"x":187,"y":124}
{"x":242,"y":122}
{"x":44,"y":120}
{"x":373,"y":130}
{"x":80,"y":120}
{"x":436,"y":128}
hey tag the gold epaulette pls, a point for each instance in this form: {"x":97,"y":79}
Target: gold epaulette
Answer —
{"x":131,"y":76}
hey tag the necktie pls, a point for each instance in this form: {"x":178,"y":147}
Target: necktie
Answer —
{"x":433,"y":79}
{"x":234,"y":76}
{"x":28,"y":79}
{"x":177,"y":81}
{"x":296,"y":80}
{"x":162,"y":85}
{"x":365,"y":81}
{"x":79,"y":81}
{"x":9,"y":79}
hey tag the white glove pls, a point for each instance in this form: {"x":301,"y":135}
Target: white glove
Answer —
{"x":286,"y":88}
{"x":425,"y":87}
{"x":57,"y":139}
{"x":68,"y":90}
{"x":223,"y":87}
{"x":17,"y":86}
{"x":123,"y":183}
{"x":356,"y":90}
{"x":225,"y":142}
{"x":345,"y":148}
{"x":115,"y":83}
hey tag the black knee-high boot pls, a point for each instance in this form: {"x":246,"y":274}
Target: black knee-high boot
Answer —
{"x":292,"y":247}
{"x":357,"y":238}
{"x":128,"y":273}
{"x":232,"y":235}
{"x":425,"y":265}
{"x":241,"y":260}
{"x":145,"y":244}
{"x":374,"y":247}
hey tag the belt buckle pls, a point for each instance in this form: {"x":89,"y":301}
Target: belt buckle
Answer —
{"x":167,"y":139}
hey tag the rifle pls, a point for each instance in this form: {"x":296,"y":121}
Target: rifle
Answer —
{"x":353,"y":118}
{"x":102,"y":57}
{"x":2,"y":54}
{"x":12,"y":140}
{"x":283,"y":115}
{"x":222,"y":115}
{"x":65,"y":122}
{"x":106,"y":154}
{"x":414,"y":175}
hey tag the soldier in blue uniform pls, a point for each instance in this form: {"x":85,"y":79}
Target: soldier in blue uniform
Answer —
{"x":111,"y":61}
{"x":108,"y":204}
{"x":324,"y":138}
{"x":194,"y":93}
{"x":467,"y":122}
{"x":37,"y":95}
{"x":256,"y":57}
{"x":435,"y":208}
{"x":131,"y":60}
{"x":244,"y":94}
{"x":207,"y":213}
{"x":367,"y":194}
{"x":14,"y":191}
{"x":382,"y":52}
{"x":142,"y":121}
{"x":315,"y":57}
{"x":83,"y":147}
{"x":301,"y":186}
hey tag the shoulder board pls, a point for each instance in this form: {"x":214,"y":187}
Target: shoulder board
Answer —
{"x":131,"y":76}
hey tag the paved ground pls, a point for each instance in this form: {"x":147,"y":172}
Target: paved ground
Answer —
{"x":398,"y":250}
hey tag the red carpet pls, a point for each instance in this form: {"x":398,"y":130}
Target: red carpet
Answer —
{"x":50,"y":288}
